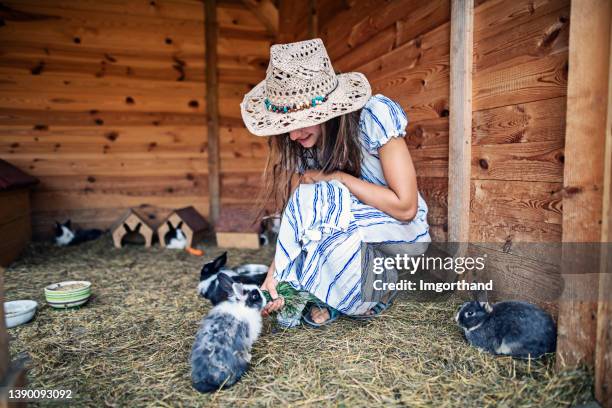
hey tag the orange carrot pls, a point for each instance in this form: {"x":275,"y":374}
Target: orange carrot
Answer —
{"x":194,"y":251}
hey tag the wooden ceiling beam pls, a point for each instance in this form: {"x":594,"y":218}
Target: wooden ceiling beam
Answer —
{"x":266,"y":12}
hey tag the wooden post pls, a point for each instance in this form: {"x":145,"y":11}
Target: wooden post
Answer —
{"x":587,"y":94}
{"x":212,"y":108}
{"x":313,"y":22}
{"x":603,"y":346}
{"x":4,"y":339}
{"x":460,"y":120}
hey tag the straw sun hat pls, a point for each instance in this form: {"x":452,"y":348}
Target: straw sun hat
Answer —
{"x":301,"y":89}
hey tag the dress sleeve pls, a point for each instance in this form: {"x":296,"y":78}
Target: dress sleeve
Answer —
{"x":381,"y":119}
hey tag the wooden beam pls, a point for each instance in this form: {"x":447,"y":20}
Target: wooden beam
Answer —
{"x":212,"y":108}
{"x":266,"y":12}
{"x":460,"y":120}
{"x":587,"y":94}
{"x":313,"y":21}
{"x":4,"y":338}
{"x":603,"y":346}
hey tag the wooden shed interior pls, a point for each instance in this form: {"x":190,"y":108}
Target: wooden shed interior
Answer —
{"x":117,"y":104}
{"x":106,"y":103}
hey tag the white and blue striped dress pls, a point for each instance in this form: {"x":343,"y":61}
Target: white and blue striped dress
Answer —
{"x":323,"y":225}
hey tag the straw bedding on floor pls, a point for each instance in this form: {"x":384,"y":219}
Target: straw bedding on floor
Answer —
{"x":129,"y":346}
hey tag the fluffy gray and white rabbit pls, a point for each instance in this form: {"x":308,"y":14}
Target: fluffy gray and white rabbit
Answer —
{"x":222,"y":349}
{"x":517,"y":329}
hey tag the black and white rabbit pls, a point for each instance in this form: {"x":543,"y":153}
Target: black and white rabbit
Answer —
{"x":176,"y":237}
{"x":65,"y":235}
{"x":517,"y":329}
{"x":210,"y":287}
{"x":222,"y":349}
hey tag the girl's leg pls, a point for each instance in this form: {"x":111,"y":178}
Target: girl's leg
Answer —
{"x":318,"y":252}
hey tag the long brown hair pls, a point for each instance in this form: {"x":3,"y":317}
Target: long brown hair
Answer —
{"x":337,"y":149}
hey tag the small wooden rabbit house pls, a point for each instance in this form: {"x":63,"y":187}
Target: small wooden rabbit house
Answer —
{"x":188,"y":220}
{"x":15,"y":220}
{"x":133,"y":226}
{"x":235,"y":229}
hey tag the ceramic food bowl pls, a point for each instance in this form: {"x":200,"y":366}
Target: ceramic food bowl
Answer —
{"x":19,"y":312}
{"x":68,"y":294}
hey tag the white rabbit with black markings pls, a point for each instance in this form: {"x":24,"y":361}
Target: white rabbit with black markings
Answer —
{"x":209,"y":286}
{"x":517,"y":329}
{"x":222,"y":349}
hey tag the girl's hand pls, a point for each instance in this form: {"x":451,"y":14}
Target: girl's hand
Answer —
{"x":314,"y":176}
{"x":277,"y":302}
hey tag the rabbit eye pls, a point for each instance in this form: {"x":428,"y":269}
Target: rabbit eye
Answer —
{"x":469,"y":314}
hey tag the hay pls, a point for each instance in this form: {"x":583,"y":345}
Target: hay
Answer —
{"x":129,"y":345}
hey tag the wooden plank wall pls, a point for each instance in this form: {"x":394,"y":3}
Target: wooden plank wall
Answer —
{"x":583,"y":180}
{"x":105,"y":103}
{"x":403,"y":49}
{"x":519,"y":97}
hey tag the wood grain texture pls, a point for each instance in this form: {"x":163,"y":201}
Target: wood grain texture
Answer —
{"x":521,"y":41}
{"x":538,"y":121}
{"x":212,"y":104}
{"x":15,"y":224}
{"x":536,"y":161}
{"x":536,"y":240}
{"x":583,"y":173}
{"x":266,"y":12}
{"x":530,"y":201}
{"x":603,"y":346}
{"x":427,"y":133}
{"x":5,"y":356}
{"x":520,"y":278}
{"x":495,"y":16}
{"x":389,"y":29}
{"x":541,"y":79}
{"x":294,"y":20}
{"x":435,"y":193}
{"x":518,"y":133}
{"x":106,"y":101}
{"x":460,"y":120}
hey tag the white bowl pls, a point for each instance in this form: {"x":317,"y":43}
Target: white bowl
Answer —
{"x":19,"y":312}
{"x":252,"y":269}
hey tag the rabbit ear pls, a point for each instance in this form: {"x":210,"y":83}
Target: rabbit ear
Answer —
{"x":486,"y":306}
{"x":226,"y":283}
{"x":220,"y":261}
{"x":480,"y":296}
{"x":238,"y":290}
